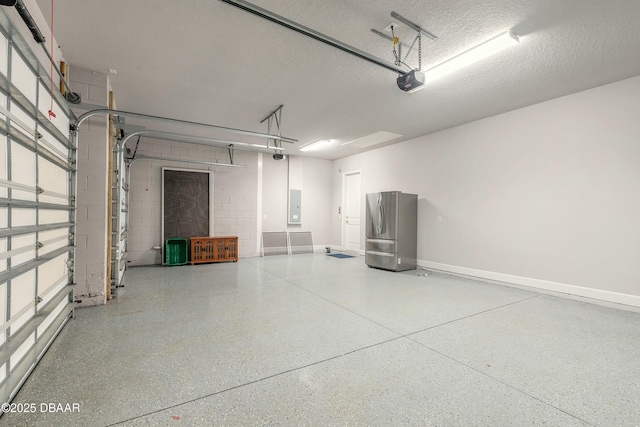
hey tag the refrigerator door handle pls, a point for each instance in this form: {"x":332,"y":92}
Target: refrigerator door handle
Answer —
{"x":380,"y":215}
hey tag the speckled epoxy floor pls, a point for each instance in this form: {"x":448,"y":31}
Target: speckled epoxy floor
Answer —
{"x":315,"y":340}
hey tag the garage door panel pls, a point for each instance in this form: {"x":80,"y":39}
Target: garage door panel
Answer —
{"x":50,"y":292}
{"x":54,"y":244}
{"x":23,"y":122}
{"x":36,"y":174}
{"x":22,"y":350}
{"x":55,"y":146}
{"x":3,"y":310}
{"x":53,"y":180}
{"x":50,"y":272}
{"x":3,"y":164}
{"x":23,"y":166}
{"x":3,"y":54}
{"x":60,"y":121}
{"x":22,"y":298}
{"x":22,"y":76}
{"x":52,"y":216}
{"x":51,"y":317}
{"x":53,"y":239}
{"x":3,"y":250}
{"x":25,"y":244}
{"x":23,"y":217}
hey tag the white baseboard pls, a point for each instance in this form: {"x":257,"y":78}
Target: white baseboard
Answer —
{"x":599,"y":294}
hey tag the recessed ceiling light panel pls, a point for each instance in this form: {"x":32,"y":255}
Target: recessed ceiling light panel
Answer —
{"x":321,"y":144}
{"x":373,"y":139}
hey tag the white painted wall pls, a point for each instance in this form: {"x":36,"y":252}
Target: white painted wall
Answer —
{"x":235,"y":196}
{"x":274,"y":194}
{"x":316,"y":199}
{"x":547,"y":193}
{"x":314,"y":178}
{"x":91,"y":215}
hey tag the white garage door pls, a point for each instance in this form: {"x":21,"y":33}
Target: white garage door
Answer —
{"x":37,"y":216}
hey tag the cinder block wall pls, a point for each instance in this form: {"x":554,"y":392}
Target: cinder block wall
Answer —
{"x":235,"y":196}
{"x":91,"y":229}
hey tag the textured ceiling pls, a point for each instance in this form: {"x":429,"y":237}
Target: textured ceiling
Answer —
{"x":204,"y":60}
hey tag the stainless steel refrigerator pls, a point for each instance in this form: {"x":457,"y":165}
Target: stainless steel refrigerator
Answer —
{"x":391,"y":230}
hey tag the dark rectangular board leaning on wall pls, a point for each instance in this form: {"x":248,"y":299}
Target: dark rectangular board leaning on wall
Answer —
{"x":186,"y":204}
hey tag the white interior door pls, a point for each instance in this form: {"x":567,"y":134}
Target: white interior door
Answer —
{"x":351,"y":216}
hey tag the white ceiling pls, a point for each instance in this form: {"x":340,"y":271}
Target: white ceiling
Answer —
{"x":206,"y":61}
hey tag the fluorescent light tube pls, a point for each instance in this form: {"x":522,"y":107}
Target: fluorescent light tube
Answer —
{"x":472,"y":55}
{"x":320,"y":144}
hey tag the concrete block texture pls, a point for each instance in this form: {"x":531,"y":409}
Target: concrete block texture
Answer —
{"x":91,"y":255}
{"x":98,"y":95}
{"x":235,"y":196}
{"x":92,"y":290}
{"x":82,"y":213}
{"x":86,"y":228}
{"x":96,"y":123}
{"x":81,"y":75}
{"x":149,"y":257}
{"x":96,"y":183}
{"x":91,"y":228}
{"x":83,"y":152}
{"x":92,"y":197}
{"x":96,"y":213}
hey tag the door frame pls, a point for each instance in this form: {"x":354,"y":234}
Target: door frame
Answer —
{"x":211,"y":205}
{"x":343,"y":225}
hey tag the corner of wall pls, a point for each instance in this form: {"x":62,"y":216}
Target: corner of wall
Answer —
{"x":92,"y":178}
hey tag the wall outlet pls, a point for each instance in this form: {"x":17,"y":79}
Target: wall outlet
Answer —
{"x":439,"y":218}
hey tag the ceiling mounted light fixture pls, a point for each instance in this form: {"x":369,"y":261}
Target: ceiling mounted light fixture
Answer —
{"x":471,"y":56}
{"x":320,"y":144}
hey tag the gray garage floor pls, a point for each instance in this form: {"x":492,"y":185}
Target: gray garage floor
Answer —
{"x":315,"y":340}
